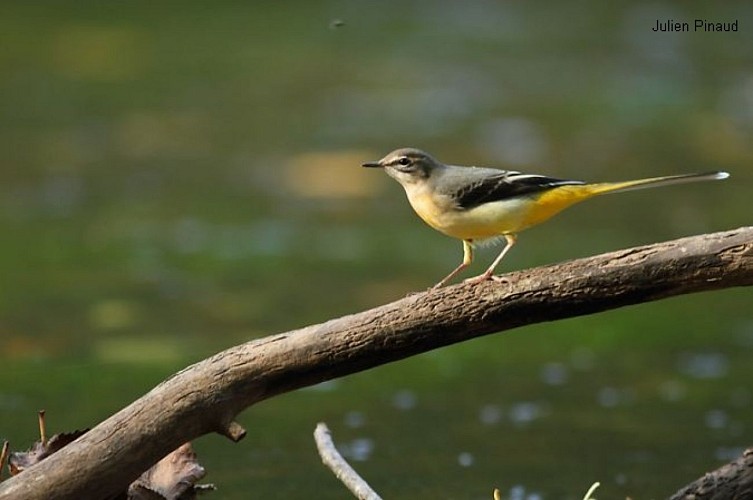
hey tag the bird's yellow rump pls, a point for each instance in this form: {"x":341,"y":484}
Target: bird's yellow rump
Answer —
{"x":475,"y":204}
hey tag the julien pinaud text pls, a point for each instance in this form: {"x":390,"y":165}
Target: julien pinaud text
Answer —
{"x":698,"y":25}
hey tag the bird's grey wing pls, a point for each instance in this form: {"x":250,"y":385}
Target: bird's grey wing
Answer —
{"x":496,"y":185}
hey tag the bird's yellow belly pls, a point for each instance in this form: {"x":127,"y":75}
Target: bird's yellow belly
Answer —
{"x":495,"y":218}
{"x":485,"y":221}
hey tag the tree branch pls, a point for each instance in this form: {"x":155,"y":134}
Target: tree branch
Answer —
{"x":733,"y":480}
{"x":340,"y":467}
{"x":207,"y":396}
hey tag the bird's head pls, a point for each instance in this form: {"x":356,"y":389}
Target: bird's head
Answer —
{"x":407,"y":165}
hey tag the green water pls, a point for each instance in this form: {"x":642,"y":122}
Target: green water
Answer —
{"x":177,"y":179}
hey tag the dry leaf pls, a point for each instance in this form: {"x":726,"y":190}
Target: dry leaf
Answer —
{"x":172,"y":478}
{"x":21,"y":460}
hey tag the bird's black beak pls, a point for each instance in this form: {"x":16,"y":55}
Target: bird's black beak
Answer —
{"x":372,"y":164}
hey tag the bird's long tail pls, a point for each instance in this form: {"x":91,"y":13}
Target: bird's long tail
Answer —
{"x":557,"y":199}
{"x":668,"y":180}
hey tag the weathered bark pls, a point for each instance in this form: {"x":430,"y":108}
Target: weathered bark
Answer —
{"x":207,"y":396}
{"x":732,"y":481}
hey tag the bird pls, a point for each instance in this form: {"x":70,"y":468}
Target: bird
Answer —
{"x":476,"y":204}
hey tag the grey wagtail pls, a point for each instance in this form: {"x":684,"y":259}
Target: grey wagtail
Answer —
{"x":475,"y":204}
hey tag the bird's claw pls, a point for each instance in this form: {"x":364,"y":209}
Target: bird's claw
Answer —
{"x":487,"y":276}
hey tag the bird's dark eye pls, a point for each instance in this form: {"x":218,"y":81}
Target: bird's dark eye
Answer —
{"x":404,"y":161}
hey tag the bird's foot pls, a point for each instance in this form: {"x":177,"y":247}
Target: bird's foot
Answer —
{"x":499,"y":279}
{"x":487,"y":276}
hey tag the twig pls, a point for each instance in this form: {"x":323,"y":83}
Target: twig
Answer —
{"x":591,"y":491}
{"x":42,"y":428}
{"x":337,"y":464}
{"x":3,"y":457}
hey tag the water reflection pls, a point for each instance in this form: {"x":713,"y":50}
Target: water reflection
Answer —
{"x":716,"y":419}
{"x":554,"y":374}
{"x":358,"y":450}
{"x":404,"y":400}
{"x":610,"y":397}
{"x":490,"y":414}
{"x":519,"y":492}
{"x":355,"y":419}
{"x":525,"y":412}
{"x":703,"y":365}
{"x":728,"y":453}
{"x":465,"y":459}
